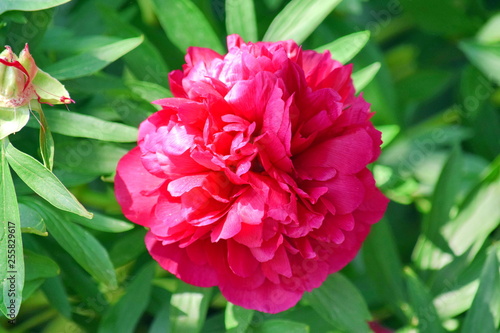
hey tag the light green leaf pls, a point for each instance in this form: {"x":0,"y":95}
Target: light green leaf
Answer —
{"x":280,"y":325}
{"x":240,"y":19}
{"x":237,"y":318}
{"x":421,"y":302}
{"x":340,"y":303}
{"x":364,"y":76}
{"x":122,"y":317}
{"x":432,"y":251}
{"x":149,"y":91}
{"x":43,"y":182}
{"x":83,"y":126}
{"x":102,"y":223}
{"x":11,"y":242}
{"x":485,"y":309}
{"x":478,"y":216}
{"x":79,"y":243}
{"x":46,"y":140}
{"x":38,"y":266}
{"x":188,"y":308}
{"x":486,"y":57}
{"x":29,"y":5}
{"x":345,"y":48}
{"x":92,"y":61}
{"x":50,"y":90}
{"x":31,"y":221}
{"x":490,"y":32}
{"x":12,"y":120}
{"x":299,"y":19}
{"x":185,"y":25}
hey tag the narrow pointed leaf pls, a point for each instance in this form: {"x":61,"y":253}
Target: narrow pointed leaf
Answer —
{"x":125,"y":314}
{"x":185,"y":25}
{"x":92,"y":61}
{"x":339,"y":302}
{"x":43,"y":182}
{"x":11,"y":243}
{"x":364,"y":76}
{"x":485,"y":309}
{"x":345,"y":48}
{"x":421,"y":303}
{"x":79,"y":243}
{"x":46,"y":140}
{"x":486,"y":57}
{"x":188,"y":308}
{"x":29,"y":5}
{"x":299,"y":19}
{"x":240,"y":19}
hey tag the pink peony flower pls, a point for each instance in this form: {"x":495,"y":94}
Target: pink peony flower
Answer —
{"x":253,"y":178}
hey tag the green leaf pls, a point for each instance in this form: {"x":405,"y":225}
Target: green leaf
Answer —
{"x":79,"y":243}
{"x":29,"y":5}
{"x":83,"y":126}
{"x":364,"y":76}
{"x":31,"y":221}
{"x":185,"y":25}
{"x":188,"y":308}
{"x":12,"y":120}
{"x":280,"y":325}
{"x":490,"y":32}
{"x":43,"y":182}
{"x":299,"y":19}
{"x":128,"y":247}
{"x":94,"y":60}
{"x":237,"y":318}
{"x":122,"y":317}
{"x":421,"y":302}
{"x":345,"y":48}
{"x":88,"y":156}
{"x":339,"y":302}
{"x":11,"y":243}
{"x":432,"y":251}
{"x":486,"y":57}
{"x":38,"y":266}
{"x":478,"y":216}
{"x":50,"y":90}
{"x":57,"y":296}
{"x":240,"y":19}
{"x":485,"y":309}
{"x":149,"y":91}
{"x":384,"y":266}
{"x":46,"y":140}
{"x":103,"y":223}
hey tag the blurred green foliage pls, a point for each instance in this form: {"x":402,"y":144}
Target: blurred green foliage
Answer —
{"x":431,"y":265}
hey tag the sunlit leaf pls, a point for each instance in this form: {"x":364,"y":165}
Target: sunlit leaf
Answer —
{"x":345,"y":48}
{"x":299,"y":19}
{"x":240,"y":19}
{"x":364,"y":76}
{"x":29,"y":5}
{"x":12,"y":120}
{"x":188,"y":308}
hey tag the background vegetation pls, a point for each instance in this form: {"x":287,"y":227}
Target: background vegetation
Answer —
{"x":430,"y":266}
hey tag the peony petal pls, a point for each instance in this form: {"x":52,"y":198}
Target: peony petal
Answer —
{"x":346,"y":193}
{"x":240,"y":259}
{"x":135,"y":189}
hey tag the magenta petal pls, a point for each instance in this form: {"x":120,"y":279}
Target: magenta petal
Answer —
{"x":240,"y":260}
{"x":135,"y":189}
{"x":346,"y":193}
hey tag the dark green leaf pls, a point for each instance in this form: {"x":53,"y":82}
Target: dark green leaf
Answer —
{"x":125,"y":314}
{"x":43,"y":182}
{"x":55,"y":293}
{"x":31,"y":221}
{"x":339,"y":302}
{"x":102,"y":223}
{"x":38,"y":266}
{"x":79,"y":243}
